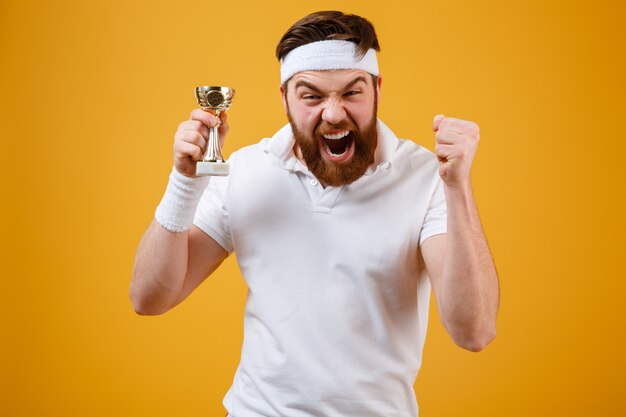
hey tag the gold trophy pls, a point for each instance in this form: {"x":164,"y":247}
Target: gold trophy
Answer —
{"x":217,"y":100}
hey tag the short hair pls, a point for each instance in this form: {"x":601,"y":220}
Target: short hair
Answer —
{"x":327,"y":25}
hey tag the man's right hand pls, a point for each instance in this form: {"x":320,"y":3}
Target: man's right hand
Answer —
{"x":191,"y":139}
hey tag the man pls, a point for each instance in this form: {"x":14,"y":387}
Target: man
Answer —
{"x":340,"y":230}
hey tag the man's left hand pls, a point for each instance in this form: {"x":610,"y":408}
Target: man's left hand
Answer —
{"x":456,"y":143}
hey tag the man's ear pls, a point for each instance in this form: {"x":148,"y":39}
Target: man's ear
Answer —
{"x":283,"y":94}
{"x":379,"y":83}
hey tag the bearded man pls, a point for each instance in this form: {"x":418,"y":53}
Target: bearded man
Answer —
{"x":340,"y":229}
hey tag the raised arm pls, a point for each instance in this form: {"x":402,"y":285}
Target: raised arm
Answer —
{"x":174,"y":257}
{"x":459,"y":263}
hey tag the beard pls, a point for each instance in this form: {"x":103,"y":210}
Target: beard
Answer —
{"x":338,"y":173}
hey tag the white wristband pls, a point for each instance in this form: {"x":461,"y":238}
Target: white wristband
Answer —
{"x":178,"y":206}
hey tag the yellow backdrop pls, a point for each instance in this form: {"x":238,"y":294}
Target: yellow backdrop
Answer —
{"x":91,"y":94}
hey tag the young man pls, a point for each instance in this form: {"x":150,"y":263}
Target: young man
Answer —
{"x":340,"y":230}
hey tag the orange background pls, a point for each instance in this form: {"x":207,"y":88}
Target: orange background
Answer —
{"x":91,"y":94}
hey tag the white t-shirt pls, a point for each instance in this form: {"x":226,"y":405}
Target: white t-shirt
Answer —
{"x":337,"y":306}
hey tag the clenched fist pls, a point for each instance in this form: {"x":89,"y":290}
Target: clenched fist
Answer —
{"x":456,"y":143}
{"x":191,"y":139}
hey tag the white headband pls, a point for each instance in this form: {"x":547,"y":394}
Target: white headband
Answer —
{"x":326,"y":55}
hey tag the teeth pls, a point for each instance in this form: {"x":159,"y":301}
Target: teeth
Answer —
{"x":337,"y":135}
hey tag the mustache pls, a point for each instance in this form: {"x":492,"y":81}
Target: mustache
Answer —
{"x":325,"y":128}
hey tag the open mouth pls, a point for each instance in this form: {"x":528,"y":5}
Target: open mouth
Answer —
{"x":337,"y":146}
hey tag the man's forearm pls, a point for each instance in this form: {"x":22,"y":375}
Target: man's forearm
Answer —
{"x":159,"y":270}
{"x":469,"y":286}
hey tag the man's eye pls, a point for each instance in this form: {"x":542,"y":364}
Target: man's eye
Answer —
{"x":351,"y":93}
{"x":311,"y":97}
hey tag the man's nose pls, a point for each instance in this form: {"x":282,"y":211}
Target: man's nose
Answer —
{"x":333,"y":112}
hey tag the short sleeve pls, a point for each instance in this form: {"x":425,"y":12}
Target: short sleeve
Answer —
{"x":435,"y":221}
{"x":212,"y":215}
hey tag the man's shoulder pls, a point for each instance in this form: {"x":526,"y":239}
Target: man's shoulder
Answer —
{"x":251,"y":151}
{"x":278,"y":144}
{"x":401,"y":151}
{"x":415,"y":155}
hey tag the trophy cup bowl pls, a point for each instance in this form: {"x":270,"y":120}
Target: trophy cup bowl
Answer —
{"x":215,"y":100}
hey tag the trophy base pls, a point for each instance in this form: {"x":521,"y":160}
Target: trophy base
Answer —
{"x":204,"y":168}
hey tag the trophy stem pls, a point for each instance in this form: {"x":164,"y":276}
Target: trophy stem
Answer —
{"x":213,"y":152}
